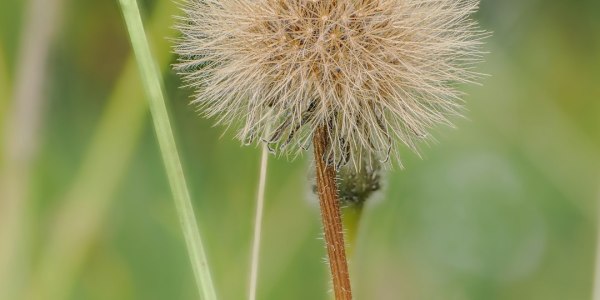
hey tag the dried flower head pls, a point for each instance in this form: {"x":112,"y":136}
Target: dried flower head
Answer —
{"x":374,"y":72}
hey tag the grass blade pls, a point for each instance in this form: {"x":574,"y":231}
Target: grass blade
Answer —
{"x":153,"y":88}
{"x":258,"y":220}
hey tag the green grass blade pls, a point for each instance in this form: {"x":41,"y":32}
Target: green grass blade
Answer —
{"x":153,"y":88}
{"x":258,"y":221}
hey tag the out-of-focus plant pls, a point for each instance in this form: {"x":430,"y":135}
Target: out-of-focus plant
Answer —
{"x":21,"y":136}
{"x":87,"y":200}
{"x":4,"y":91}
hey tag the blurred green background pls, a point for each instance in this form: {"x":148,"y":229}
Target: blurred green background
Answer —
{"x":504,"y":207}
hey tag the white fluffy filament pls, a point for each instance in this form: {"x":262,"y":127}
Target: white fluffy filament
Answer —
{"x":375,"y":72}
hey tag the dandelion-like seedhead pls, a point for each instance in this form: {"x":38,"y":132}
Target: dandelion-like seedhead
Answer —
{"x":375,"y":73}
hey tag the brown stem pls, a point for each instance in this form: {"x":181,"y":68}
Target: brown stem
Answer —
{"x":331,"y":217}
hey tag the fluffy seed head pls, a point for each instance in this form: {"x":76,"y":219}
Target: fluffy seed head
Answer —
{"x":376,"y":73}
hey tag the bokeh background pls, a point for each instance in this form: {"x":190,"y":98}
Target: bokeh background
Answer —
{"x":503,"y":207}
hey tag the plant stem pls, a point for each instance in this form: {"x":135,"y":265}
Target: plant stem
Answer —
{"x":331,"y":217}
{"x":351,"y":216}
{"x":153,"y":87}
{"x":258,"y":219}
{"x":596,"y":281}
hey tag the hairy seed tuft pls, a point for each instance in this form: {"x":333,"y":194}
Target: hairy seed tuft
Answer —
{"x":376,"y":73}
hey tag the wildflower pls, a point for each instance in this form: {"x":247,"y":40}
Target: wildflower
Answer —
{"x":375,"y":73}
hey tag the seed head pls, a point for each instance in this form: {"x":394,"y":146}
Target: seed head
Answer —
{"x":376,"y":73}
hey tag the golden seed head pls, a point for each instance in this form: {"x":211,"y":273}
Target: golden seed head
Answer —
{"x":375,"y":72}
